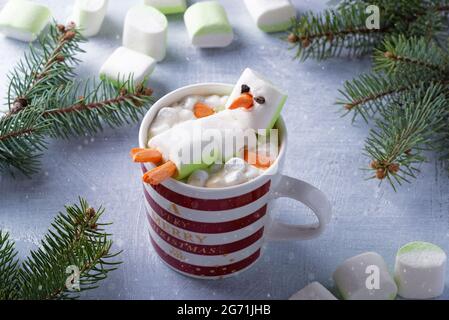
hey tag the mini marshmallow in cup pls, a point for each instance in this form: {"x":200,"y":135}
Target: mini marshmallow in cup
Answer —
{"x":23,"y":20}
{"x":420,"y":270}
{"x":124,"y":63}
{"x":145,"y":31}
{"x":208,"y":25}
{"x":313,"y":291}
{"x":365,"y":277}
{"x":271,"y":15}
{"x":198,"y":178}
{"x":88,"y":16}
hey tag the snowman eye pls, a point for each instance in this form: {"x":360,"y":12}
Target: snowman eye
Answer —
{"x":259,"y":100}
{"x":245,"y":89}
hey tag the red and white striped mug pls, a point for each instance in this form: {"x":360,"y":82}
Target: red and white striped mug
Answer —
{"x":212,"y":233}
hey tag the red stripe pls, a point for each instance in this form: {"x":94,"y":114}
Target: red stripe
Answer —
{"x":211,"y":204}
{"x":205,"y":271}
{"x":205,"y":250}
{"x":204,"y":227}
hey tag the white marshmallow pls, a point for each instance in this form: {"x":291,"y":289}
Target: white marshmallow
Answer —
{"x":190,"y":102}
{"x":420,"y":270}
{"x":365,"y":277}
{"x":168,"y":6}
{"x":313,"y":291}
{"x":252,"y":172}
{"x":215,"y":102}
{"x":23,"y":20}
{"x":198,"y":178}
{"x":260,"y":116}
{"x":185,"y":114}
{"x":271,"y":15}
{"x":88,"y":15}
{"x":235,"y":165}
{"x":234,"y":178}
{"x":124,"y":63}
{"x":145,"y":31}
{"x":208,"y":25}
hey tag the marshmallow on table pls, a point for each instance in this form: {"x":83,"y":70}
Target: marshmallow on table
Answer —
{"x":420,"y":270}
{"x":23,"y":20}
{"x":88,"y":15}
{"x":365,"y":277}
{"x":271,"y":15}
{"x":145,"y":31}
{"x":168,"y":6}
{"x":313,"y":291}
{"x":261,"y":115}
{"x":207,"y":25}
{"x":124,"y":63}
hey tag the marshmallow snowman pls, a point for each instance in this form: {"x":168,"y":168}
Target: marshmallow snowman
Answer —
{"x":267,"y":105}
{"x":244,"y":114}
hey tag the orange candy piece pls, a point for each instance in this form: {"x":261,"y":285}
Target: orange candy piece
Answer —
{"x":201,"y":110}
{"x":142,"y":155}
{"x":159,"y":174}
{"x":245,"y":100}
{"x":258,"y":160}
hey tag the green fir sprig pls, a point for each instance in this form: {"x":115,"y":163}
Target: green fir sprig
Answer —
{"x":45,"y":100}
{"x":406,"y":95}
{"x":74,"y":256}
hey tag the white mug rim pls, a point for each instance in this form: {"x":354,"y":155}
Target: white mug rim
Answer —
{"x":160,"y":103}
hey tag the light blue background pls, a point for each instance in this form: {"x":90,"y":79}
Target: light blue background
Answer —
{"x":325,"y":150}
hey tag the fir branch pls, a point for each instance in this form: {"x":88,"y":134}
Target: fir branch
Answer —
{"x":8,"y":268}
{"x":331,"y":32}
{"x":48,"y":65}
{"x":406,"y":128}
{"x":45,"y":100}
{"x":84,"y":106}
{"x":327,"y":34}
{"x":369,"y":93}
{"x":77,"y":239}
{"x":405,"y":56}
{"x":22,"y":140}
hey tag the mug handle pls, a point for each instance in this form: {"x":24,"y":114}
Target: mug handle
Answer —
{"x":307,"y":194}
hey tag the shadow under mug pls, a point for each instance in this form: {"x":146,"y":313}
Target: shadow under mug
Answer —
{"x":211,"y":233}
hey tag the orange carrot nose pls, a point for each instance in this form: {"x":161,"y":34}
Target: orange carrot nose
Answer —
{"x":257,"y":159}
{"x":201,"y":110}
{"x":134,"y":151}
{"x":147,"y":155}
{"x":245,"y":100}
{"x":159,"y":174}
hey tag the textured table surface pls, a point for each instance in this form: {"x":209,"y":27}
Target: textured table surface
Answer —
{"x":324,"y":150}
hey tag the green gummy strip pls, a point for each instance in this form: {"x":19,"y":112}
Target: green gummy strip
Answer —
{"x":276,"y":27}
{"x":419,"y":246}
{"x":208,"y":17}
{"x":187,"y":169}
{"x":278,"y":112}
